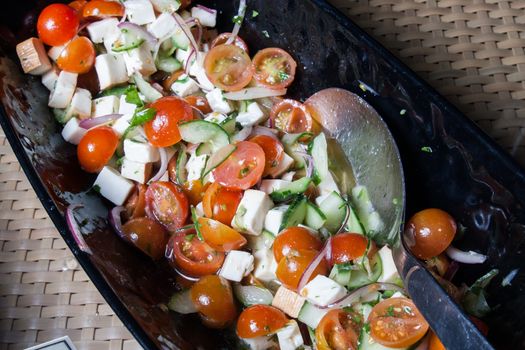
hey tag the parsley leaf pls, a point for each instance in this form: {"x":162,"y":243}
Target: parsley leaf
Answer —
{"x":265,"y":33}
{"x":390,"y":311}
{"x":183,"y":80}
{"x":142,"y":116}
{"x":132,"y":96}
{"x":254,"y":13}
{"x":189,"y":237}
{"x":283,"y":76}
{"x":194,"y":218}
{"x":427,"y":149}
{"x":237,"y":19}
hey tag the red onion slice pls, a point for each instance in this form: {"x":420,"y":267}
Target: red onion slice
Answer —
{"x":469,"y":257}
{"x":347,"y":216}
{"x":187,"y":64}
{"x":139,"y":32}
{"x":309,"y":160}
{"x":158,"y":87}
{"x":355,"y":295}
{"x":75,"y":229}
{"x":187,"y":31}
{"x":207,"y":9}
{"x":92,"y":122}
{"x":115,"y":220}
{"x":240,"y":14}
{"x":325,"y":253}
{"x":163,"y":165}
{"x":453,"y":267}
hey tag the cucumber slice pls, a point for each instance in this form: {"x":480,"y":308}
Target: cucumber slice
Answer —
{"x":201,"y":131}
{"x":361,"y":277}
{"x":114,"y":91}
{"x":290,"y":139}
{"x":252,"y":295}
{"x":319,"y":152}
{"x":367,"y":343}
{"x":145,"y":88}
{"x":263,"y":241}
{"x":203,"y":148}
{"x":315,"y":218}
{"x":182,"y":159}
{"x":295,"y":213}
{"x":181,"y":302}
{"x":370,"y":218}
{"x":340,"y":274}
{"x":126,"y":41}
{"x":311,"y":315}
{"x":167,"y":64}
{"x":62,"y":115}
{"x":228,"y":125}
{"x":180,"y":39}
{"x":334,"y":208}
{"x":293,"y":189}
{"x":218,"y":157}
{"x":353,"y":224}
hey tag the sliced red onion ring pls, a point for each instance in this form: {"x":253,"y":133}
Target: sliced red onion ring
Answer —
{"x":187,"y":64}
{"x":140,"y":32}
{"x":207,"y":9}
{"x":469,"y":257}
{"x":325,"y":253}
{"x":253,"y":93}
{"x":187,"y":31}
{"x":262,"y":130}
{"x":75,"y":229}
{"x":115,"y":220}
{"x":163,"y":165}
{"x":242,"y":134}
{"x":158,"y":87}
{"x":309,"y":160}
{"x":347,"y":216}
{"x":355,"y":295}
{"x":92,"y":122}
{"x":240,"y":14}
{"x":192,"y":147}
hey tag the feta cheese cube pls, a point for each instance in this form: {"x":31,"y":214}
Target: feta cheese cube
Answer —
{"x":140,"y":172}
{"x":260,"y":343}
{"x":139,"y":11}
{"x":252,"y":116}
{"x":72,"y":132}
{"x":215,"y":117}
{"x":389,"y":273}
{"x":63,"y":91}
{"x":122,"y":123}
{"x":49,"y":79}
{"x":105,"y":105}
{"x":265,"y":265}
{"x":33,"y":56}
{"x":141,"y":152}
{"x":285,"y":164}
{"x":184,"y":86}
{"x":198,"y":63}
{"x":322,"y":291}
{"x":111,"y":70}
{"x":274,"y":219}
{"x":288,"y":176}
{"x":321,"y":198}
{"x":112,"y":186}
{"x":398,"y":295}
{"x":195,"y":166}
{"x":55,"y":51}
{"x":207,"y":18}
{"x":81,"y":103}
{"x":162,"y":26}
{"x":139,"y":60}
{"x":124,"y":107}
{"x":217,"y":101}
{"x":100,"y":30}
{"x":250,"y":214}
{"x":111,"y":36}
{"x":268,"y":186}
{"x":288,"y":301}
{"x":290,"y":337}
{"x":182,"y":56}
{"x":328,"y":185}
{"x":168,"y":6}
{"x":236,"y":265}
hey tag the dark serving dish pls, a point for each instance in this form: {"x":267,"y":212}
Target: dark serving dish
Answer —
{"x":466,"y":173}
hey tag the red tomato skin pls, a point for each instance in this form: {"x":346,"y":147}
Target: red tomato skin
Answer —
{"x":167,"y":203}
{"x":347,"y":247}
{"x":259,"y":320}
{"x":96,"y":148}
{"x":78,"y":56}
{"x":163,"y":130}
{"x":147,"y":235}
{"x":57,"y":24}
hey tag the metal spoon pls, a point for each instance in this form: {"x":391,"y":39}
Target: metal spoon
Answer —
{"x":369,"y":147}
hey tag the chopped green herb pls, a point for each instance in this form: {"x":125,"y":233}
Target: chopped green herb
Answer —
{"x":363,"y":87}
{"x":189,"y":237}
{"x":196,"y":223}
{"x":142,"y":116}
{"x":426,"y":149}
{"x":390,"y":311}
{"x":183,"y":80}
{"x":237,"y":19}
{"x":388,"y":294}
{"x":244,"y":171}
{"x":96,"y":188}
{"x":254,"y":13}
{"x":132,"y":96}
{"x":366,"y":327}
{"x":402,"y":112}
{"x":265,"y":33}
{"x":283,"y":76}
{"x":395,"y":201}
{"x":120,"y":161}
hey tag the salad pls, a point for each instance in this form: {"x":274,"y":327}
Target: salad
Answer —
{"x":211,"y":167}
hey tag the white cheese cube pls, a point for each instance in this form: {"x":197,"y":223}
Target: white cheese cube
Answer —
{"x":139,"y":60}
{"x":122,"y":123}
{"x":81,"y":103}
{"x":55,"y":51}
{"x":398,"y":295}
{"x":63,"y":91}
{"x":162,"y":26}
{"x":105,"y":105}
{"x":274,"y":219}
{"x":168,"y":6}
{"x":283,"y":167}
{"x":112,"y":35}
{"x":290,"y":337}
{"x":250,"y":214}
{"x":321,"y":198}
{"x":102,"y":29}
{"x":215,"y":117}
{"x":195,"y":166}
{"x":265,"y":265}
{"x":322,"y":291}
{"x":252,"y":116}
{"x":288,"y":301}
{"x":389,"y":273}
{"x":328,"y":185}
{"x":207,"y":18}
{"x":260,"y":343}
{"x":184,"y":86}
{"x":72,"y":132}
{"x":112,"y":186}
{"x":288,"y":176}
{"x":198,"y":63}
{"x":49,"y":79}
{"x":217,"y":101}
{"x":111,"y":70}
{"x":139,"y":11}
{"x":268,"y":186}
{"x":125,"y":107}
{"x":182,"y":56}
{"x":141,"y":152}
{"x":33,"y":56}
{"x":140,"y":172}
{"x":236,"y":265}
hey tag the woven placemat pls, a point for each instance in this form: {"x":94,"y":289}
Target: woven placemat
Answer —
{"x":472,"y":51}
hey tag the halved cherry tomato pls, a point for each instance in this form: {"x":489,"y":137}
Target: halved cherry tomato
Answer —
{"x":57,"y":24}
{"x":78,"y":5}
{"x":78,"y":56}
{"x":187,"y":253}
{"x":274,"y":68}
{"x":347,"y":247}
{"x":147,"y":235}
{"x":194,"y":190}
{"x":167,"y":203}
{"x":136,"y":203}
{"x":223,"y":37}
{"x":103,"y":9}
{"x":397,"y":323}
{"x":243,"y":168}
{"x":292,"y":239}
{"x":338,"y":330}
{"x":429,"y":232}
{"x":213,"y":298}
{"x":220,"y":236}
{"x":163,"y":129}
{"x":220,"y":203}
{"x":199,"y":102}
{"x":291,"y":116}
{"x":167,"y":82}
{"x":228,"y":67}
{"x":96,"y":148}
{"x":434,"y":343}
{"x":259,"y":320}
{"x":273,"y":152}
{"x":291,"y":267}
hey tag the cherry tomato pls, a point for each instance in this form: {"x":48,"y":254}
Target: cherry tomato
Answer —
{"x":243,"y":168}
{"x":434,"y":343}
{"x":347,"y":247}
{"x":78,"y":56}
{"x":57,"y":24}
{"x":163,"y":129}
{"x":223,"y":37}
{"x":78,"y":5}
{"x":96,"y":148}
{"x":291,"y":267}
{"x":228,"y":67}
{"x":103,"y":9}
{"x":274,"y":68}
{"x":147,"y":235}
{"x":194,"y":190}
{"x":273,"y":153}
{"x":199,"y":102}
{"x":213,"y":298}
{"x":291,"y":116}
{"x":397,"y":323}
{"x":429,"y":233}
{"x":187,"y":253}
{"x":259,"y":320}
{"x":167,"y":203}
{"x":136,"y":203}
{"x":219,"y":236}
{"x":220,"y":203}
{"x":292,"y":239}
{"x":338,"y":330}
